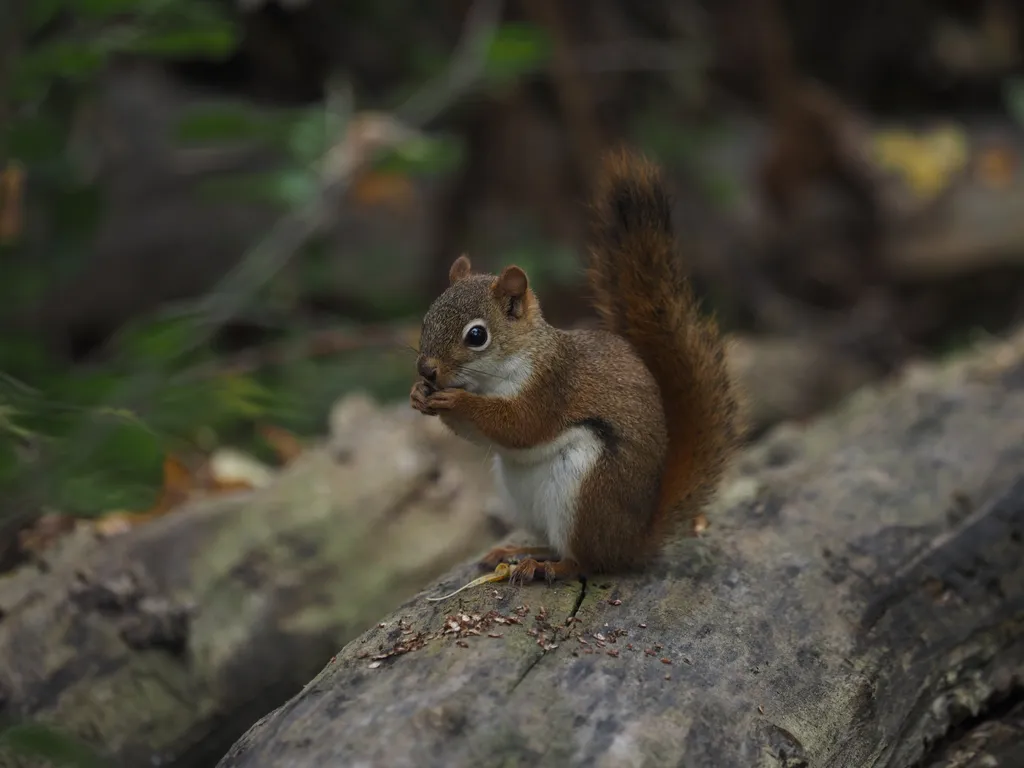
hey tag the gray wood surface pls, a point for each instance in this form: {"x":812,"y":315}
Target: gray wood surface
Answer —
{"x":858,"y":595}
{"x":161,"y":646}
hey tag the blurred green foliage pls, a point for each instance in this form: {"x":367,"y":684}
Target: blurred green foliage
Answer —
{"x":517,"y":49}
{"x":89,"y":439}
{"x":40,"y":743}
{"x":54,"y":52}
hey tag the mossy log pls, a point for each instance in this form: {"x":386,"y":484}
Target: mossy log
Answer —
{"x":160,"y":646}
{"x":858,"y":600}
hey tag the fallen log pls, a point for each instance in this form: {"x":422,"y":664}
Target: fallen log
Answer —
{"x":426,"y":518}
{"x":161,"y":645}
{"x":858,"y":600}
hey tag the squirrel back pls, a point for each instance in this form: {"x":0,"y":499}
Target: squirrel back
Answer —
{"x":642,"y":294}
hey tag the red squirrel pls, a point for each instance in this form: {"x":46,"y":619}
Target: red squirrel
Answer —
{"x":604,"y":441}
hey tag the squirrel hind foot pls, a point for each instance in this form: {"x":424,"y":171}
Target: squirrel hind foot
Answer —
{"x":503,"y":554}
{"x":551,"y":570}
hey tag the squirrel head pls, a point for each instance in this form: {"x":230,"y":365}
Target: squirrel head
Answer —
{"x":477,"y":335}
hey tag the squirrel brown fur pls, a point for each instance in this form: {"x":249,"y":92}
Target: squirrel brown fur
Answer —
{"x":604,"y":441}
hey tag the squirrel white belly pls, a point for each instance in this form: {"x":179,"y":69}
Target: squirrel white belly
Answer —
{"x":541,"y":485}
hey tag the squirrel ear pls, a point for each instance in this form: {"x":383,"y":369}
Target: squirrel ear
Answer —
{"x":511,"y":287}
{"x":460,"y":268}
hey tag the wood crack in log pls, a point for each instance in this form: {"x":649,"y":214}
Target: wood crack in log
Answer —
{"x":568,"y":634}
{"x":990,"y":664}
{"x":579,"y":599}
{"x":936,"y":569}
{"x":529,"y":668}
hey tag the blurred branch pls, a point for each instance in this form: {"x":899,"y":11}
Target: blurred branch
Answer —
{"x":368,"y":133}
{"x":573,"y":94}
{"x":467,"y":64}
{"x":628,"y":56}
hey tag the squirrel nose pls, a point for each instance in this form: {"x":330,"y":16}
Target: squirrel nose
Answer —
{"x":427,"y":371}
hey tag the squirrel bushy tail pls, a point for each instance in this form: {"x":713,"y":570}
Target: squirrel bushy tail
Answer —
{"x":643,"y":295}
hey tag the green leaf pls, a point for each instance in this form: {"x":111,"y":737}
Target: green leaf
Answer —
{"x":36,"y":69}
{"x":39,"y":13}
{"x":37,"y":741}
{"x":76,"y":211}
{"x":515,"y":50}
{"x":102,"y":9}
{"x":10,"y":464}
{"x":227,"y":122}
{"x":123,"y":471}
{"x":35,"y":139}
{"x":308,"y":139}
{"x":288,"y":188}
{"x":86,"y":388}
{"x":213,"y":42}
{"x":156,"y":343}
{"x":295,"y":188}
{"x":21,"y":287}
{"x":428,"y":156}
{"x":90,"y":491}
{"x":9,"y":424}
{"x":242,"y":396}
{"x":23,"y":356}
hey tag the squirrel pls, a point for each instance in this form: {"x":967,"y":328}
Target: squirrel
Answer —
{"x":604,"y":441}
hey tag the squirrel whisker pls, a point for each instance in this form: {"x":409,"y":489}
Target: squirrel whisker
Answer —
{"x":467,"y":369}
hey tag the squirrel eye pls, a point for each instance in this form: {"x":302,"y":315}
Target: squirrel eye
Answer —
{"x":476,"y":336}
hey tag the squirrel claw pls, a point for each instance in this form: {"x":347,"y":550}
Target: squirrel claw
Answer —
{"x":503,"y":554}
{"x":523,"y":571}
{"x":421,"y":391}
{"x":444,"y":399}
{"x":552,"y":570}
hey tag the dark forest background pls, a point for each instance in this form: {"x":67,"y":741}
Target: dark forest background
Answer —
{"x":217,"y":218}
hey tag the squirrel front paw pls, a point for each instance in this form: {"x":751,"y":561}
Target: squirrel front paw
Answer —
{"x":445,"y":399}
{"x":421,"y":392}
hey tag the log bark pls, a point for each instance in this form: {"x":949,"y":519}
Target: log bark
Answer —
{"x":858,"y":596}
{"x":160,"y":646}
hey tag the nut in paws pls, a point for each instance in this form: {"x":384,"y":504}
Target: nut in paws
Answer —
{"x":419,"y":396}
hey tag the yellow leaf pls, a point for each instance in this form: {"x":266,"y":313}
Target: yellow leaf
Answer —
{"x":927,"y":162}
